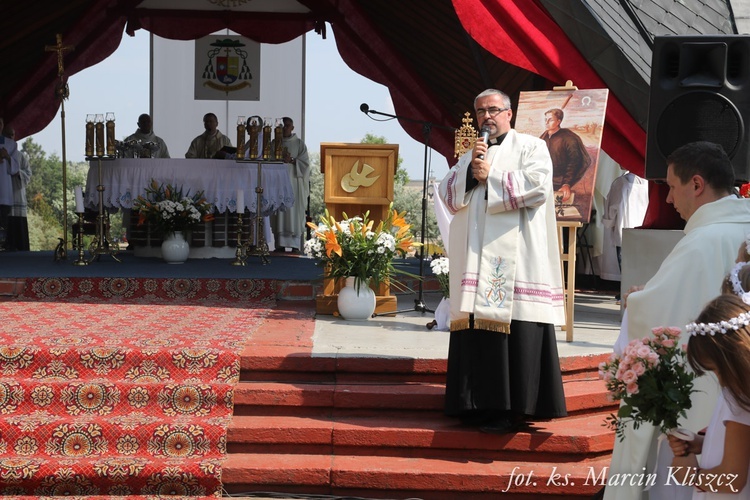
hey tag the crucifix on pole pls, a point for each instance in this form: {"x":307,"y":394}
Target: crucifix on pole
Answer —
{"x":62,"y":92}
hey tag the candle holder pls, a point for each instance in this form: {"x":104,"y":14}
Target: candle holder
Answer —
{"x":99,"y":129}
{"x":240,"y":254}
{"x":110,"y":123}
{"x":266,"y":138}
{"x":278,"y":139}
{"x":254,"y":135}
{"x":90,"y":135}
{"x":102,"y":244}
{"x":256,"y":244}
{"x":240,"y":137}
{"x":81,"y":261}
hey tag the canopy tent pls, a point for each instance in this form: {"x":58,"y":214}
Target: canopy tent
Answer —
{"x":432,"y":55}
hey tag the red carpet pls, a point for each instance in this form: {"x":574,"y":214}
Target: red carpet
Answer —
{"x":149,"y":290}
{"x":124,"y":398}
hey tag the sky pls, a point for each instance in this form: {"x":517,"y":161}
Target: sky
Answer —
{"x":120,"y":84}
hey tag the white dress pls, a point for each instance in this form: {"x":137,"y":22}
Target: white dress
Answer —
{"x":727,"y":410}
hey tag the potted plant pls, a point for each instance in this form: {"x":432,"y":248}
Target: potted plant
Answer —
{"x":169,"y":213}
{"x":355,"y":249}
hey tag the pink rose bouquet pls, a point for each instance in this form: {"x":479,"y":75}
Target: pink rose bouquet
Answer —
{"x":651,"y":379}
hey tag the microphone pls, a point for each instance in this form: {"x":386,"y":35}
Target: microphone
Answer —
{"x":485,"y":136}
{"x":364,"y":108}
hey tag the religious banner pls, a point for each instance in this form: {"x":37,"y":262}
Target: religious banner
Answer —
{"x":570,"y":121}
{"x":227,"y":67}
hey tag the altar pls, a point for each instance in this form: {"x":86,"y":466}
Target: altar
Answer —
{"x":124,"y":179}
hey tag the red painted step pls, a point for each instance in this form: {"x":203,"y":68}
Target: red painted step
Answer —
{"x":580,"y":395}
{"x":417,"y":435}
{"x":426,"y":478}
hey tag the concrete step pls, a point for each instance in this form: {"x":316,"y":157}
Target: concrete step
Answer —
{"x":251,"y":397}
{"x":402,"y":477}
{"x":418,"y":435}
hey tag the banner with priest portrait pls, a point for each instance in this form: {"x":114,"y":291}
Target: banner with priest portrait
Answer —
{"x":570,"y":121}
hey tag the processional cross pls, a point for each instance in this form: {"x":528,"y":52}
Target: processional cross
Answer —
{"x":62,"y":92}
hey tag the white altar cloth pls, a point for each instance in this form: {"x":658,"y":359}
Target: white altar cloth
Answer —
{"x":126,"y":178}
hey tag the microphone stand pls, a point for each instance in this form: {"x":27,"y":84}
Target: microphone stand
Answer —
{"x":419,"y":304}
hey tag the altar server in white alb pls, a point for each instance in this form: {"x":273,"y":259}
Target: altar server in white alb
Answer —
{"x":701,"y":188}
{"x":505,"y":280}
{"x":9,"y":166}
{"x":289,"y":225}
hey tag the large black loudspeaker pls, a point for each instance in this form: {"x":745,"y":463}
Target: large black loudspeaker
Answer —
{"x":700,"y":91}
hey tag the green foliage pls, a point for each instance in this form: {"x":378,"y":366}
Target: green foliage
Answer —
{"x":401,"y":176}
{"x":45,"y":200}
{"x":405,"y":198}
{"x":652,"y":381}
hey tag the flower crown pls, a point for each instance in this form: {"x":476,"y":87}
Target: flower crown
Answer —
{"x":734,"y":278}
{"x":733,"y":324}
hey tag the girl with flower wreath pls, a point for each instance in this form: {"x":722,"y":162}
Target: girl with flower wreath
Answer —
{"x":720,"y":343}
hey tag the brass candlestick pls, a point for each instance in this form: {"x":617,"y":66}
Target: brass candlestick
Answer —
{"x":99,"y":130}
{"x":241,"y":251}
{"x":267,"y":139}
{"x":110,"y":134}
{"x":277,"y":141}
{"x":254,"y":133}
{"x":102,"y":243}
{"x":89,"y":135}
{"x":81,"y":261}
{"x":240,"y":137}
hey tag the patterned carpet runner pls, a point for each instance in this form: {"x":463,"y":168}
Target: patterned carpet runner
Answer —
{"x":131,"y":397}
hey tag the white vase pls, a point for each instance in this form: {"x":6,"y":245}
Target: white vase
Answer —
{"x":175,"y":249}
{"x":356,"y":305}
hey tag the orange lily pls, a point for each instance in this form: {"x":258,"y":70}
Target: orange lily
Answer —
{"x":332,"y":245}
{"x":398,"y":219}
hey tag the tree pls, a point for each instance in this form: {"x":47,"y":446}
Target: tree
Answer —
{"x":45,"y":200}
{"x":405,"y":197}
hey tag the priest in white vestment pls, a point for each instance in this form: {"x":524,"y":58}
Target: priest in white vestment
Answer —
{"x":701,"y":186}
{"x":505,"y":280}
{"x":289,"y":225}
{"x":146,"y":137}
{"x":9,"y":166}
{"x":209,"y":142}
{"x":625,"y":207}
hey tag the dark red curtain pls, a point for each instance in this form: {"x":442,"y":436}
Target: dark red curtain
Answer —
{"x":522,"y":33}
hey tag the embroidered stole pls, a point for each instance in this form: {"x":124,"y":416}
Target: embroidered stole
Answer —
{"x":491,"y":242}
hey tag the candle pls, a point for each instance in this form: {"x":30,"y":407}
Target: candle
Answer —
{"x":99,"y":129}
{"x":79,"y":199}
{"x":240,"y":201}
{"x":89,"y":135}
{"x":110,"y":134}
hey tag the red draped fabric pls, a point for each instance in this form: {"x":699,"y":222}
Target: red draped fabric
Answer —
{"x":521,"y":32}
{"x":94,"y":37}
{"x":365,"y":51}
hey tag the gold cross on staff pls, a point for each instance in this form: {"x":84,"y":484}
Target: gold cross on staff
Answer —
{"x":60,"y":49}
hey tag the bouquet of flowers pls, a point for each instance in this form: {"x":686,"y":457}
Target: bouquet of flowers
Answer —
{"x":652,"y":380}
{"x":351,"y":247}
{"x":440,"y":269}
{"x":167,"y":209}
{"x":745,"y":190}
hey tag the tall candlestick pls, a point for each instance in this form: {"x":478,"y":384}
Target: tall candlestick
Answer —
{"x":99,"y":135}
{"x":267,"y":139}
{"x":241,"y":137}
{"x":79,"y":199}
{"x":278,"y":131}
{"x":89,"y":135}
{"x":240,"y":201}
{"x":110,"y":134}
